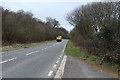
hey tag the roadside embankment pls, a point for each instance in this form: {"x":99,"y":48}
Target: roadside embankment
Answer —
{"x":26,"y":45}
{"x":107,"y":66}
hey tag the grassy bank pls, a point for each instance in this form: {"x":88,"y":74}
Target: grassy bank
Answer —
{"x":93,"y":60}
{"x":20,"y":46}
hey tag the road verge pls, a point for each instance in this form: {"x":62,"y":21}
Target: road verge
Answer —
{"x":22,"y":46}
{"x":93,"y":60}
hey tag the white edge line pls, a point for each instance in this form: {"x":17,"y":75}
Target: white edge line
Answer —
{"x":57,"y":61}
{"x":64,"y":47}
{"x":54,"y":66}
{"x":63,"y":51}
{"x":50,"y":73}
{"x":60,"y":56}
{"x":60,"y":70}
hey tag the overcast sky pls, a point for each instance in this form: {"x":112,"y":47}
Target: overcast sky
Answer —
{"x":48,"y":8}
{"x":42,"y":10}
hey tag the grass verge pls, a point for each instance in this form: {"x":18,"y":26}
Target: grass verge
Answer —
{"x":20,"y":46}
{"x":93,"y":60}
{"x":74,"y":51}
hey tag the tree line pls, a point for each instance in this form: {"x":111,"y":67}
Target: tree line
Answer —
{"x":23,"y":27}
{"x":97,"y":29}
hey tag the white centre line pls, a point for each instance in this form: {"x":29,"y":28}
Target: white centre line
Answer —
{"x":36,"y":51}
{"x":12,"y":59}
{"x":3,"y":61}
{"x":50,"y":46}
{"x":57,"y":61}
{"x":8,"y":60}
{"x":42,"y":49}
{"x":50,"y":73}
{"x":45,"y":48}
{"x":31,"y":53}
{"x":59,"y":58}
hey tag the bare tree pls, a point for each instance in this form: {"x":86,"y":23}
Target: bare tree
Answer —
{"x":22,"y":27}
{"x":97,"y":25}
{"x":52,"y":22}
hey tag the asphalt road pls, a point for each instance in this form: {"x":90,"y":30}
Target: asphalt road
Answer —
{"x":35,"y":62}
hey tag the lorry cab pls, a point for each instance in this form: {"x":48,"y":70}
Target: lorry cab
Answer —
{"x":59,"y":38}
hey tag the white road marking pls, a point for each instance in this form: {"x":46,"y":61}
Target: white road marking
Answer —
{"x":45,"y":48}
{"x":42,"y":49}
{"x":12,"y":59}
{"x":63,"y":51}
{"x":36,"y":51}
{"x":50,"y":73}
{"x":57,"y":61}
{"x":50,"y":46}
{"x":3,"y":61}
{"x":59,"y":58}
{"x":64,"y":48}
{"x":8,"y":60}
{"x":31,"y":53}
{"x":54,"y":66}
{"x":60,"y":71}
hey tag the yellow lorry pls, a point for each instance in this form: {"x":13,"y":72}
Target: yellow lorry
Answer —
{"x":59,"y":38}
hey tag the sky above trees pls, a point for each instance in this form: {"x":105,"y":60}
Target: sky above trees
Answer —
{"x":42,"y":10}
{"x":48,"y":8}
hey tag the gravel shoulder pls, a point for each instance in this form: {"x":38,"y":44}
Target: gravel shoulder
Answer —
{"x":75,"y":68}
